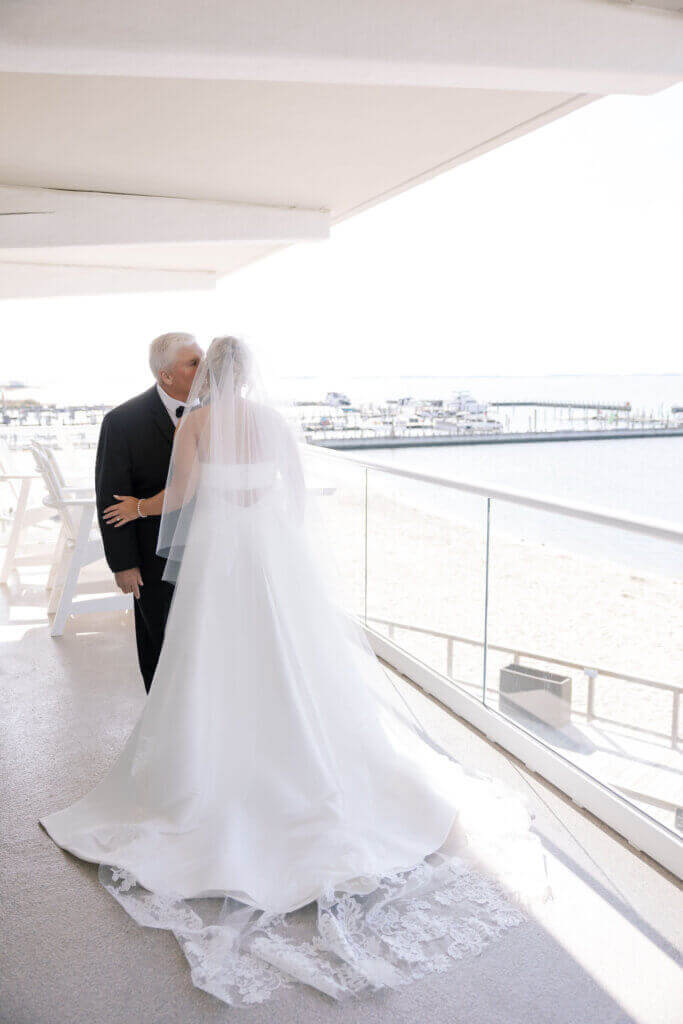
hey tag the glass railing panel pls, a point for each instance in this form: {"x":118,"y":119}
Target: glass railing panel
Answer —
{"x":585,"y":634}
{"x":425,"y":573}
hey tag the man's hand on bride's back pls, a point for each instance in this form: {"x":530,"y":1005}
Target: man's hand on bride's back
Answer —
{"x":129,"y":581}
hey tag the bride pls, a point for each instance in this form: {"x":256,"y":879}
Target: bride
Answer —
{"x":277,"y":805}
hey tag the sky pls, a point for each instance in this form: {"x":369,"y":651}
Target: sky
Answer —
{"x":557,"y":253}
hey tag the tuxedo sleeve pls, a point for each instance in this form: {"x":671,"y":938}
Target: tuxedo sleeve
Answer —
{"x":113,"y":475}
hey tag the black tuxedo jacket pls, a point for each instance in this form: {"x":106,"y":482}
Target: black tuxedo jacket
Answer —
{"x":133,"y":455}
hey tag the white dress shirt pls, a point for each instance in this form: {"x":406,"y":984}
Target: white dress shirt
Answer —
{"x":171,"y":404}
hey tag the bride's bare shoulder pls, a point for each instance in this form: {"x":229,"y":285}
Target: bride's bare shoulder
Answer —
{"x":260,"y":410}
{"x":200,"y":414}
{"x":195,"y":419}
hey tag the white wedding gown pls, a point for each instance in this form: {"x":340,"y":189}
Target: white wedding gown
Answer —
{"x":276,"y":805}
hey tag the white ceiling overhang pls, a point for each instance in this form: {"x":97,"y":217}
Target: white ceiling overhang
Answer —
{"x":163,"y":151}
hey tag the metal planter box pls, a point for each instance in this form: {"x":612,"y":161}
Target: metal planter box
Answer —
{"x":542,"y":695}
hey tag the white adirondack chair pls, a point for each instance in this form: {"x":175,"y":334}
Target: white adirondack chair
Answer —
{"x":46,"y":463}
{"x":75,"y":488}
{"x":80,"y":545}
{"x":24,"y":515}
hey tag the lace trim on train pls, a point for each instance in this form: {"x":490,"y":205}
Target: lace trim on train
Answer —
{"x":413,"y":924}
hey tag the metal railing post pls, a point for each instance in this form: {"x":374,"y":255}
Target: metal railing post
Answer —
{"x":486,"y":598}
{"x":365,"y":553}
{"x":591,"y":675}
{"x":675,"y":717}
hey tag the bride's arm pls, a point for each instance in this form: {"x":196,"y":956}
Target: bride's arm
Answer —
{"x":152,"y":506}
{"x":125,"y":510}
{"x":182,"y":479}
{"x":181,"y":488}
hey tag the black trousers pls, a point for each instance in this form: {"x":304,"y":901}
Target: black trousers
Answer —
{"x":151,"y":612}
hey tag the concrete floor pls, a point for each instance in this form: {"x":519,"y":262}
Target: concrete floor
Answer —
{"x":603,"y":952}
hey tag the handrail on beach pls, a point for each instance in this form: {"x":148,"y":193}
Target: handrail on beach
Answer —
{"x":592,"y":672}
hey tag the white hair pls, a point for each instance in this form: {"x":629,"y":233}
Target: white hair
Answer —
{"x":163,"y":350}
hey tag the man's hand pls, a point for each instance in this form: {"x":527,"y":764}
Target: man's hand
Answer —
{"x":129,"y":581}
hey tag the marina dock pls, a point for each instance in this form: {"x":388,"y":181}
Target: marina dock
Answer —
{"x":408,"y":422}
{"x":597,"y":406}
{"x":340,"y":442}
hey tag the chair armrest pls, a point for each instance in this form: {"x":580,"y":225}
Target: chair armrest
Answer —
{"x":75,"y":502}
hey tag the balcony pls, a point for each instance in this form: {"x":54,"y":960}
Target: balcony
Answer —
{"x":433,"y":579}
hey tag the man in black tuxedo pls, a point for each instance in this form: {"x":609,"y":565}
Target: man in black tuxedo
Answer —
{"x":133,"y":456}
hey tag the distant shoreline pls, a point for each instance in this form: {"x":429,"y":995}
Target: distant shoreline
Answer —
{"x":348,"y":444}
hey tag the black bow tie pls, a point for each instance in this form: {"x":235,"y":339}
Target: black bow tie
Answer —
{"x":179,"y":411}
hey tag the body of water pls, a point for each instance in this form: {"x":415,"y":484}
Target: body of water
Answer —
{"x":642,"y":477}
